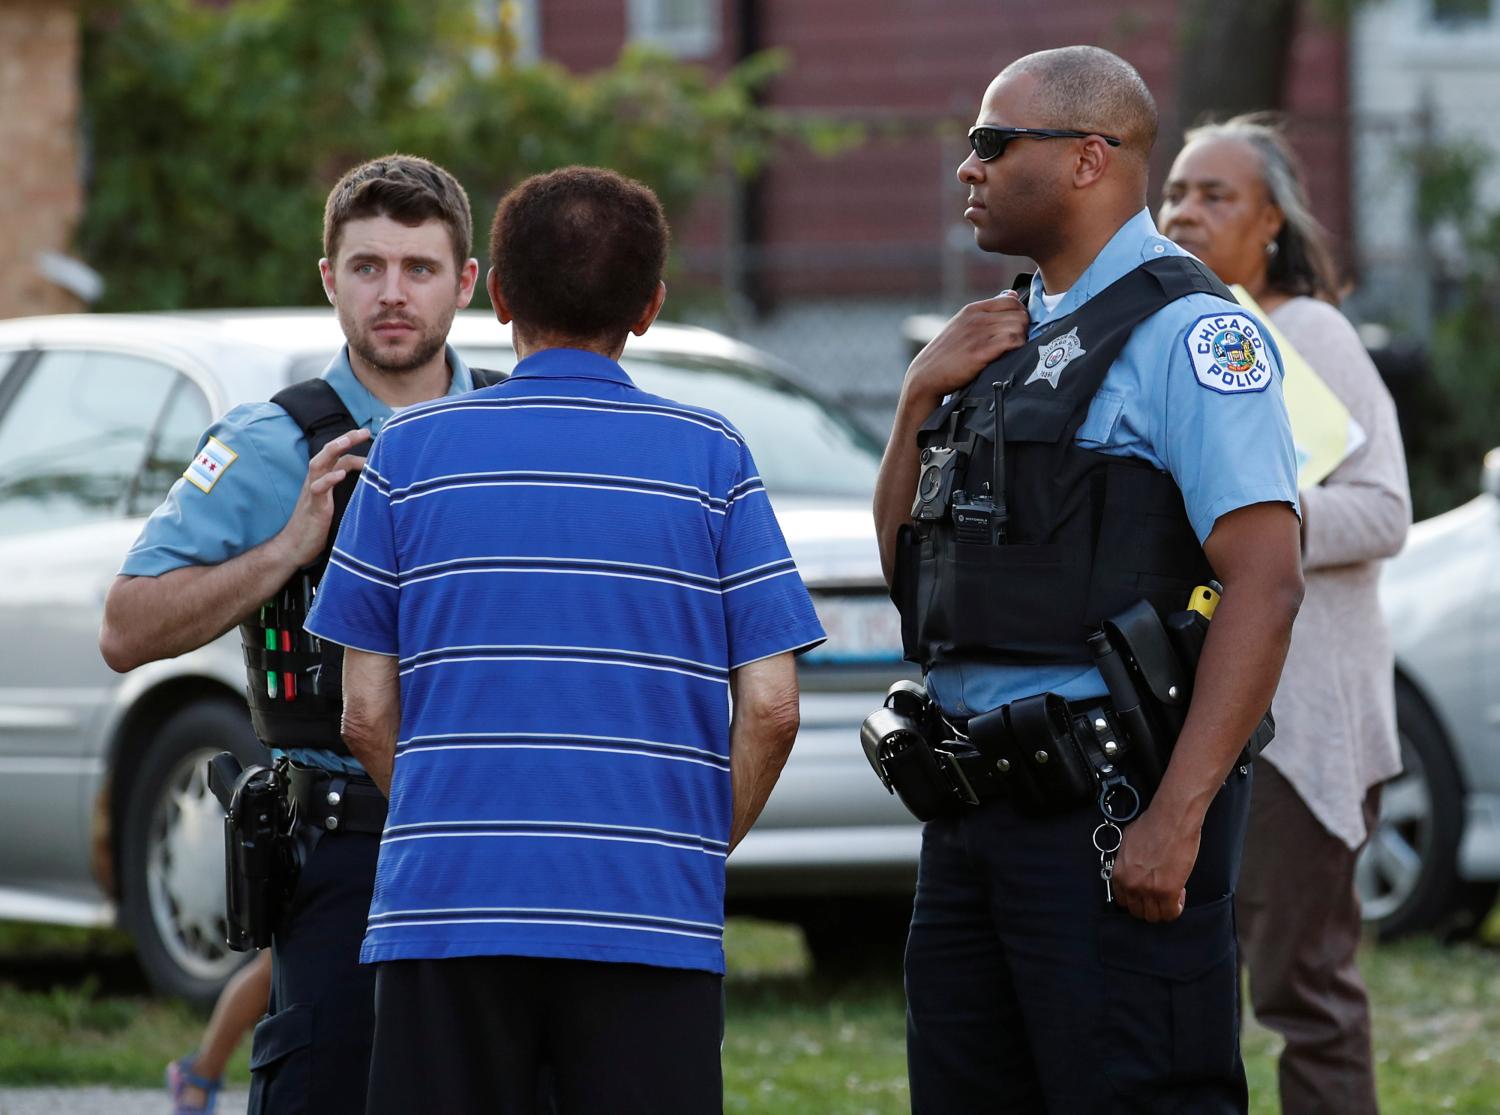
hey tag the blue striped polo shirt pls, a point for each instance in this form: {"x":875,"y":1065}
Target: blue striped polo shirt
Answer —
{"x":567,"y":569}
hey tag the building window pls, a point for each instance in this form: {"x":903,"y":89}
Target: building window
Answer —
{"x":508,"y":29}
{"x":1461,"y":13}
{"x":686,"y":28}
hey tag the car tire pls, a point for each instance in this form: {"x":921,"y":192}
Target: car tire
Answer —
{"x":172,"y":851}
{"x":1407,"y":875}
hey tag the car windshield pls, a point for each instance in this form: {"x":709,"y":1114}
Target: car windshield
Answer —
{"x":802,"y":446}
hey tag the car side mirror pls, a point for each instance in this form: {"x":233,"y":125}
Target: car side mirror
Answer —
{"x":1490,"y":474}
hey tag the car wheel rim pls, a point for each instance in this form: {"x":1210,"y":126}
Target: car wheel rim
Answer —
{"x":185,"y":871}
{"x":1392,"y":864}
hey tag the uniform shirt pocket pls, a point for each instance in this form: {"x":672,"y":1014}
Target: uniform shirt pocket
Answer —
{"x":1101,"y":420}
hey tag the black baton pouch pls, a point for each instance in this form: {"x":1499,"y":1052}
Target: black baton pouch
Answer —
{"x":1045,"y":730}
{"x":1047,"y":770}
{"x":991,"y":734}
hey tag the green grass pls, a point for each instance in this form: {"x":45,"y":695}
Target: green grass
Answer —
{"x":799,"y":1047}
{"x":795,"y":1046}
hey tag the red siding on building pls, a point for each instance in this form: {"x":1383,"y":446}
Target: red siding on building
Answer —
{"x":874,"y":219}
{"x":582,"y":34}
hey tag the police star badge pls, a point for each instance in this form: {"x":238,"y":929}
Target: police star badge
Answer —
{"x":1056,"y":355}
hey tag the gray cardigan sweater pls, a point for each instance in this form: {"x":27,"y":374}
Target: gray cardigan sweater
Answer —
{"x":1335,"y":706}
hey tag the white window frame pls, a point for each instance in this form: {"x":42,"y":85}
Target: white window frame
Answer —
{"x":1459,"y":24}
{"x":1428,"y":45}
{"x":644,"y":23}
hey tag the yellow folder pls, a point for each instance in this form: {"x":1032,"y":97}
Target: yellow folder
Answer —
{"x":1324,"y":431}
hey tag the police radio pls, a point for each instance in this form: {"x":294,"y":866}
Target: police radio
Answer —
{"x":973,"y":519}
{"x":980,"y":520}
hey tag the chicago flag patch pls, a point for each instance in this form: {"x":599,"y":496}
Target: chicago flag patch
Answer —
{"x":1228,"y":352}
{"x":210,"y":464}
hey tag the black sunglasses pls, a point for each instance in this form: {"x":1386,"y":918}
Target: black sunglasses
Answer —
{"x":989,"y":141}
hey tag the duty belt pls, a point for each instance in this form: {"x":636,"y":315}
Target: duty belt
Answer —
{"x":1042,"y":753}
{"x":336,"y":802}
{"x":980,"y":773}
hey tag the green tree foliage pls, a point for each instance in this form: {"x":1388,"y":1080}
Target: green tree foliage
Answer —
{"x":668,"y":124}
{"x":1466,"y":331}
{"x":216,"y":130}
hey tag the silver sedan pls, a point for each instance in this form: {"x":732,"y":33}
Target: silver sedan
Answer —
{"x":104,"y":814}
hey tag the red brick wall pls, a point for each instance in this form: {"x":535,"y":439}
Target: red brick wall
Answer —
{"x":872,"y":220}
{"x":41,"y":199}
{"x":582,"y":34}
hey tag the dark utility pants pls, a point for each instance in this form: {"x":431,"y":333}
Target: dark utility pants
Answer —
{"x":312,"y":1051}
{"x":1299,"y":929}
{"x":1028,"y":994}
{"x":469,"y":1034}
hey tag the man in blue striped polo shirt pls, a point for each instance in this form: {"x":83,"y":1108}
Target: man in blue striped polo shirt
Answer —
{"x":549,"y":591}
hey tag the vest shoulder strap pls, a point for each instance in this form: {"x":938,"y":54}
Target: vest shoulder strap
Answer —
{"x":1179,"y":276}
{"x":316,"y":407}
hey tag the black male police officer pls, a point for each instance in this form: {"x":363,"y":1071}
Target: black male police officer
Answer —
{"x":1145,"y":449}
{"x":253,"y":514}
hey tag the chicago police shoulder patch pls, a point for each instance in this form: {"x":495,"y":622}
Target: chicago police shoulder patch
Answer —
{"x":212,"y":461}
{"x":1228,"y":352}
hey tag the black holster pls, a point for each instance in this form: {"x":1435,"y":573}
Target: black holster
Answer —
{"x":915,"y":756}
{"x":1149,"y":667}
{"x":260,"y":858}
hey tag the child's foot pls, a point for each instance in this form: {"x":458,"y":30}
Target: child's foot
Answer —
{"x":191,"y":1094}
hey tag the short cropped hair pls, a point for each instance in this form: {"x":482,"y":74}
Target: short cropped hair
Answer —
{"x":578,"y":252}
{"x":1089,"y":89}
{"x":404,"y":188}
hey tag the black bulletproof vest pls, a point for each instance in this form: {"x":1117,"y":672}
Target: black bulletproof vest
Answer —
{"x":1087,"y":534}
{"x":295,"y":685}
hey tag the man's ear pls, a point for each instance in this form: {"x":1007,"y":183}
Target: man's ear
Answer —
{"x":502,"y":310}
{"x":1093,"y":162}
{"x":468,"y":278}
{"x":325,"y":269}
{"x":652,"y":310}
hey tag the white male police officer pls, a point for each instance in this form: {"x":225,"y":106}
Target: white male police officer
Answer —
{"x":242,"y":539}
{"x":1142,"y":453}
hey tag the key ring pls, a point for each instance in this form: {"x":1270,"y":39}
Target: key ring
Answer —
{"x":1108,"y":826}
{"x":1111,"y":808}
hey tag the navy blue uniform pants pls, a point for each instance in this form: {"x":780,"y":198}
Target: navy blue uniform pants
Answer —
{"x":1028,"y":993}
{"x":311,"y":1053}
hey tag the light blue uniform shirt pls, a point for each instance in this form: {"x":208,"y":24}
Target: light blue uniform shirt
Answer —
{"x":254,"y":495}
{"x":1225,"y":449}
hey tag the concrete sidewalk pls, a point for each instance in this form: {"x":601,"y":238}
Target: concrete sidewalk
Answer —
{"x":102,"y":1101}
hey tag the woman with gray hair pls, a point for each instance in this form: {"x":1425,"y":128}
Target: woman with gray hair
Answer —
{"x":1235,"y":199}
